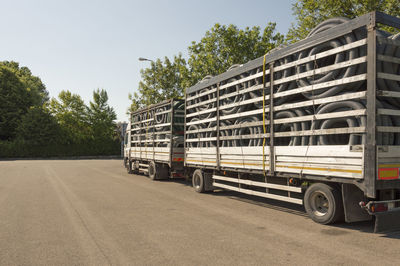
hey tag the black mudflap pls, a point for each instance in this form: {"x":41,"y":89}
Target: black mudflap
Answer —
{"x":208,"y":182}
{"x":387,"y":221}
{"x":352,"y":196}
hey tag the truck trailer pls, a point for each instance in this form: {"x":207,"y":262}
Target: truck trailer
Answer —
{"x":315,"y":123}
{"x":154,"y":140}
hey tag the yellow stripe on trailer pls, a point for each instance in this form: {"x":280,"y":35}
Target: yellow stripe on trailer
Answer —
{"x":389,"y":165}
{"x":321,"y":169}
{"x":161,"y":152}
{"x":287,"y":166}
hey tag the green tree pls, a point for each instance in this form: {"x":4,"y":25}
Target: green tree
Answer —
{"x":36,"y":89}
{"x":135,"y":102}
{"x":14,"y":102}
{"x":163,"y":80}
{"x":221,"y":47}
{"x":101,"y":116}
{"x":309,"y":13}
{"x":38,"y":127}
{"x":71,"y":113}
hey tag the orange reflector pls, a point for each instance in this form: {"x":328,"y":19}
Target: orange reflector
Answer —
{"x":388,"y":173}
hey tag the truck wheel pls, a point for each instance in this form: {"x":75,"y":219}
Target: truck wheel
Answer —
{"x":198,"y":181}
{"x":152,"y":171}
{"x":323,"y":203}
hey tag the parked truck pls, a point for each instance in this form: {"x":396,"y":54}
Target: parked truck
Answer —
{"x":315,"y":123}
{"x":154,"y":140}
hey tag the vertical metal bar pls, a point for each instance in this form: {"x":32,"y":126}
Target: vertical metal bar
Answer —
{"x":140,"y":137}
{"x":154,"y":130}
{"x":218,"y":133}
{"x":130,"y":138}
{"x":147,"y":133}
{"x":171,"y":141}
{"x":271,"y":121}
{"x":264,"y":126}
{"x":370,"y":145}
{"x":184,"y":133}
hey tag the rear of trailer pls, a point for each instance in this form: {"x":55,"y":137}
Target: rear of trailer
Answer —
{"x":154,"y":140}
{"x":314,"y":123}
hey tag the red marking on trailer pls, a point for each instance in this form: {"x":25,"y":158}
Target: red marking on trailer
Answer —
{"x":388,"y":173}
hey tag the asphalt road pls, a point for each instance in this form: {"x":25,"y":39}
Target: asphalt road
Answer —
{"x":91,"y":212}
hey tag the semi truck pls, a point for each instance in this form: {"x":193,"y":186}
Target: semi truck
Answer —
{"x":315,"y":123}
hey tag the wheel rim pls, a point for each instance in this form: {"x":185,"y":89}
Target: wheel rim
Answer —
{"x":151,"y":170}
{"x":196,"y":181}
{"x":319,"y":203}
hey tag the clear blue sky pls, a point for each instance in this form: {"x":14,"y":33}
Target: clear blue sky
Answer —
{"x":84,"y":45}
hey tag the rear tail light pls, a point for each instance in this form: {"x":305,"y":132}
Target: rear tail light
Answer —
{"x":379,"y":207}
{"x":177,"y":175}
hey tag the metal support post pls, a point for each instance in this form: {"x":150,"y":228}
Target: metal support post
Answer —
{"x":370,"y":145}
{"x":271,"y":121}
{"x":218,"y":133}
{"x":171,"y":140}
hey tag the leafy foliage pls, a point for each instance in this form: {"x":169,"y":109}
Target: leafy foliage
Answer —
{"x":309,"y":13}
{"x":31,"y":125}
{"x":224,"y":46}
{"x":19,"y":90}
{"x":81,"y":123}
{"x":221,"y":47}
{"x":35,"y":87}
{"x":162,"y":81}
{"x":14,"y":103}
{"x":101,"y":116}
{"x":20,"y":148}
{"x":38,"y":127}
{"x":71,"y":113}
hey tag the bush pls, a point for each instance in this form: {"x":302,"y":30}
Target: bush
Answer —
{"x":21,"y":149}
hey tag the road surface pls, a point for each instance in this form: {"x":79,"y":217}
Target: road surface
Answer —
{"x":91,"y":212}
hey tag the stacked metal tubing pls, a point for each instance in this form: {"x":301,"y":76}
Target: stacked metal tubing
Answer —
{"x":153,"y":124}
{"x":303,"y":112}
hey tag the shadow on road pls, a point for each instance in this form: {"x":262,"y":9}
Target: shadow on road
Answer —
{"x":267,"y":203}
{"x":395,"y":235}
{"x":366,"y":227}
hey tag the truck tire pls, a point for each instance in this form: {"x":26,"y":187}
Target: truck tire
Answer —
{"x":323,"y":203}
{"x":152,"y":170}
{"x":198,"y":181}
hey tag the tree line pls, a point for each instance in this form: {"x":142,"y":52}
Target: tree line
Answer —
{"x":226,"y":45}
{"x":32,"y":124}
